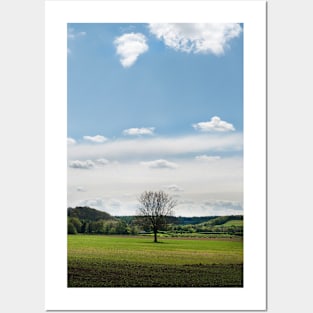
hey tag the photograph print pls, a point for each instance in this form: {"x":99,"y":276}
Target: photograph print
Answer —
{"x":155,"y":155}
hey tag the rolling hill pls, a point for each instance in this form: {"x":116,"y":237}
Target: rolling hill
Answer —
{"x":89,"y":214}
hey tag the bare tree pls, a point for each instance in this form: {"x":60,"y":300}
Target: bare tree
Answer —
{"x":155,"y":209}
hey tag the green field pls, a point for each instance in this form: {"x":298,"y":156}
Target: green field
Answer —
{"x":233,"y":223}
{"x":124,"y":261}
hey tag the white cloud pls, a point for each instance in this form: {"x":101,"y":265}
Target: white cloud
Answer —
{"x":156,"y":147}
{"x":212,"y":207}
{"x":113,"y":206}
{"x":202,"y":184}
{"x":96,"y":139}
{"x":223,"y":205}
{"x":71,"y":141}
{"x":160,"y":164}
{"x":196,"y":38}
{"x":215,"y":125}
{"x":139,"y":131}
{"x":102,"y":161}
{"x":80,"y":189}
{"x":92,"y":203}
{"x":88,"y":164}
{"x":114,"y":203}
{"x":71,"y":34}
{"x":207,"y":158}
{"x":129,"y":47}
{"x":173,"y":188}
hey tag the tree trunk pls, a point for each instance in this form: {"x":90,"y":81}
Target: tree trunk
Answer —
{"x":155,"y":236}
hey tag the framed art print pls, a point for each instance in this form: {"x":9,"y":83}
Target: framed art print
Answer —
{"x":155,"y":151}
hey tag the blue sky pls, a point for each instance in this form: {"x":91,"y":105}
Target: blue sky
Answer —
{"x":153,"y":106}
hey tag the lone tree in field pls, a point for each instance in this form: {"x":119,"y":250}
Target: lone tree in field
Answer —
{"x":155,"y":209}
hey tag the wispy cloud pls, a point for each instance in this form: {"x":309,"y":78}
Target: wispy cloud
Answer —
{"x":219,"y":205}
{"x":126,"y":180}
{"x":209,"y":207}
{"x":156,"y":147}
{"x":96,"y":139}
{"x":102,"y":161}
{"x":160,"y":164}
{"x":129,"y":47}
{"x":80,"y":189}
{"x":92,"y":203}
{"x":71,"y":141}
{"x":215,"y":125}
{"x":207,"y":158}
{"x":174,"y":188}
{"x":114,"y":203}
{"x":88,"y":164}
{"x":139,"y":131}
{"x":72,"y":34}
{"x":196,"y":38}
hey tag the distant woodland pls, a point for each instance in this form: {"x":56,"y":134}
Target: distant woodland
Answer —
{"x":86,"y":220}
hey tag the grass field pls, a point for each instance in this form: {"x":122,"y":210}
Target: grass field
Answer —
{"x":233,"y":223}
{"x":122,"y":261}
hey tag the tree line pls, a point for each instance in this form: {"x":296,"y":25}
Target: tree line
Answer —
{"x":155,"y":214}
{"x":106,"y":227}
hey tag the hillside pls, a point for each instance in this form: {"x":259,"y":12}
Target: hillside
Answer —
{"x":226,"y":220}
{"x":205,"y":220}
{"x":88,"y":214}
{"x":92,"y":221}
